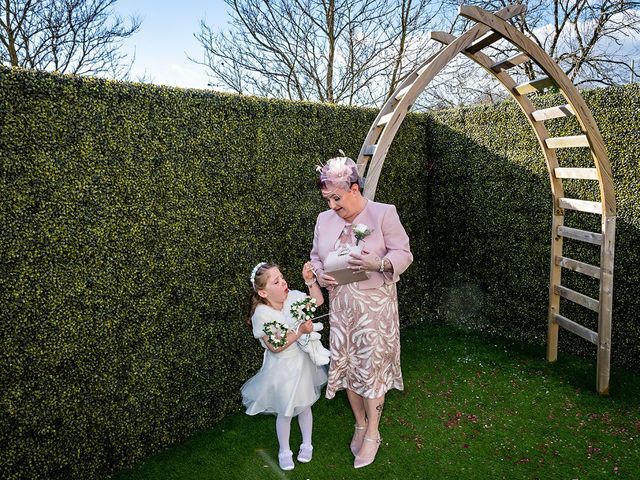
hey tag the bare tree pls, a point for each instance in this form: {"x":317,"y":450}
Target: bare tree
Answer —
{"x":588,"y":40}
{"x":338,"y":51}
{"x":595,"y":42}
{"x":357,"y":52}
{"x":66,"y":36}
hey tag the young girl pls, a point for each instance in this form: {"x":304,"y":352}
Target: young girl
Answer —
{"x":288,"y":382}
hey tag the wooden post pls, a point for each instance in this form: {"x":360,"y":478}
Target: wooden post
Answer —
{"x":606,"y":301}
{"x":555,"y":275}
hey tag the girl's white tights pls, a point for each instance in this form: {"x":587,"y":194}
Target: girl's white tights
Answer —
{"x":305,"y":420}
{"x":283,"y":428}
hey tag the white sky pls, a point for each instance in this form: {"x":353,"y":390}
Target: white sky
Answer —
{"x":166,"y":36}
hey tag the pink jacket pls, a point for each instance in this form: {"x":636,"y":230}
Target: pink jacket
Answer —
{"x":388,"y":239}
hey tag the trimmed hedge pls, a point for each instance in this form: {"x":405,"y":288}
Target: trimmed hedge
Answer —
{"x":490,"y":218}
{"x":132,"y":216}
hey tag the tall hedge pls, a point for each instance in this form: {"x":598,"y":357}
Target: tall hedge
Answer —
{"x":132,"y":215}
{"x":490,"y":220}
{"x":131,"y":218}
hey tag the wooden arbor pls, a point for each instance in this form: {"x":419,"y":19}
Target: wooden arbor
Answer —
{"x":490,"y":28}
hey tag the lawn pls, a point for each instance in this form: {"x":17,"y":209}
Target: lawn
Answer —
{"x":473,"y":407}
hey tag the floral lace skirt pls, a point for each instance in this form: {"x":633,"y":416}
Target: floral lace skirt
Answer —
{"x":364,"y":340}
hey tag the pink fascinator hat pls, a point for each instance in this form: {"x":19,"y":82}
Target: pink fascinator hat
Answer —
{"x":341,"y":172}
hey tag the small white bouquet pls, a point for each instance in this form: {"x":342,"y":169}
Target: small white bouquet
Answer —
{"x":276,"y":333}
{"x":303,"y":309}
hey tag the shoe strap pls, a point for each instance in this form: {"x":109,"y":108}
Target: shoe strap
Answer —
{"x":361,"y":428}
{"x":376,"y":440}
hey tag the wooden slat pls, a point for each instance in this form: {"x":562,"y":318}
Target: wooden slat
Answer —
{"x":567,"y":142}
{"x":576,"y":173}
{"x":580,"y":267}
{"x":575,"y":297}
{"x":533,"y":86}
{"x":553,"y":112}
{"x":581,"y":235}
{"x":579,"y":330}
{"x":369,"y":150}
{"x":422,"y":69}
{"x":580,"y":205}
{"x":441,"y":37}
{"x":400,"y":95}
{"x":385,"y":119}
{"x":483,"y":42}
{"x":510,"y":62}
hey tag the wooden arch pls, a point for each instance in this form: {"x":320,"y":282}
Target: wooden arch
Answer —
{"x":490,"y":28}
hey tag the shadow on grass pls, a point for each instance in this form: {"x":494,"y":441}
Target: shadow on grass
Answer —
{"x":473,"y":407}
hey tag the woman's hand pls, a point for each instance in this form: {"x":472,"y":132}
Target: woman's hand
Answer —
{"x":328,"y":281}
{"x":364,"y":261}
{"x":307,"y":272}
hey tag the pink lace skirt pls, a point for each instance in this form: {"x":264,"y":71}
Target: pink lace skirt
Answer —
{"x":364,"y":340}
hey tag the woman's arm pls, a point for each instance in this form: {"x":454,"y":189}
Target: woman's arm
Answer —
{"x":315,"y":292}
{"x":324,"y":280}
{"x":398,"y":256}
{"x":311,"y":282}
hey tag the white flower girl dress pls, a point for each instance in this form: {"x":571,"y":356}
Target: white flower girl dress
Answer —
{"x":288,"y":381}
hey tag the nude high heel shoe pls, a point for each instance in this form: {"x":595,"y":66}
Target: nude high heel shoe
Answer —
{"x":360,"y":462}
{"x":356,"y":441}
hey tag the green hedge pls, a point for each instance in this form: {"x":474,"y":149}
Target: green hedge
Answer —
{"x":132,"y":216}
{"x":490,"y":204}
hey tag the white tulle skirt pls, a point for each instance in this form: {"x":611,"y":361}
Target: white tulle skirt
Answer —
{"x":287,"y":383}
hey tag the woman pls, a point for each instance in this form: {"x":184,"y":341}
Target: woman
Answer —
{"x":364,"y":335}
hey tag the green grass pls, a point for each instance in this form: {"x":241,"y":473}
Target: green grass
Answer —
{"x":473,"y":408}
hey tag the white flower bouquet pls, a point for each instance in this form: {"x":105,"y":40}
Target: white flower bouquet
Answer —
{"x":301,"y":311}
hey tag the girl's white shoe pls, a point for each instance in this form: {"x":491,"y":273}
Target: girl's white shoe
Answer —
{"x":306,"y":453}
{"x":285,"y":459}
